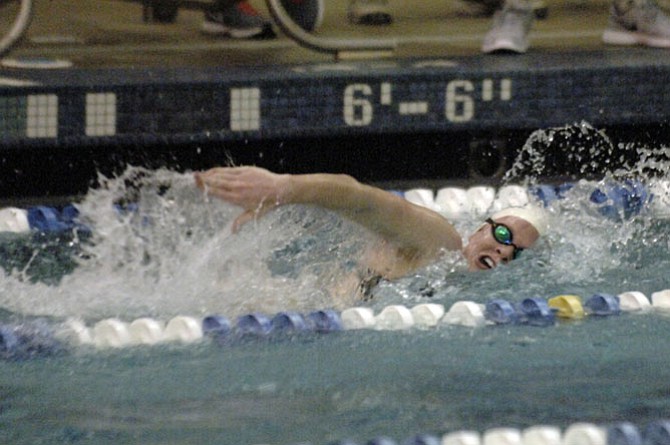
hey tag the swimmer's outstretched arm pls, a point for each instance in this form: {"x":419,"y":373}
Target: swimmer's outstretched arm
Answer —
{"x":424,"y":232}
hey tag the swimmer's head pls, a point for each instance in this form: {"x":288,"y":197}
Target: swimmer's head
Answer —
{"x":504,"y":236}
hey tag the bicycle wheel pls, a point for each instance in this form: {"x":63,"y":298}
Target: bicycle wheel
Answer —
{"x":15,"y":17}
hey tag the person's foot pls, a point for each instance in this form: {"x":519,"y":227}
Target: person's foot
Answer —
{"x":369,"y":12}
{"x":510,"y":29}
{"x":238,"y":20}
{"x":308,"y":14}
{"x":637,"y":22}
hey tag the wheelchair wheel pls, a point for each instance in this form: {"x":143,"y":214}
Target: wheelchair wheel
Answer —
{"x":15,"y":16}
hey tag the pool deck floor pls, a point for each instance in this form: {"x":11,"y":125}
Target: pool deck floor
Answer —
{"x":112,"y":34}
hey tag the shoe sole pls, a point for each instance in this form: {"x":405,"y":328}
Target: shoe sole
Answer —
{"x":215,"y":29}
{"x":503,"y":47}
{"x":634,"y":38}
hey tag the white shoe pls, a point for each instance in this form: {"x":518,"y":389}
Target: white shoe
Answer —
{"x":510,"y":29}
{"x":638,"y":23}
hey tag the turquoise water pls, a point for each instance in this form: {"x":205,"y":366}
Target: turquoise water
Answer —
{"x":175,"y":255}
{"x":356,"y":385}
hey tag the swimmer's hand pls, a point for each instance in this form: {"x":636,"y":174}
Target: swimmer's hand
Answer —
{"x":254,"y":189}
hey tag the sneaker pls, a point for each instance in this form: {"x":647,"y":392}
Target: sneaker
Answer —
{"x":238,"y":20}
{"x":308,"y":14}
{"x":637,"y":23}
{"x":369,"y":12}
{"x":510,"y":29}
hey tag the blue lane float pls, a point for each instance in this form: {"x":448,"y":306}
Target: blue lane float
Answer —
{"x":536,"y":312}
{"x":501,"y":312}
{"x":28,"y":340}
{"x":325,"y":321}
{"x":603,"y":305}
{"x":624,"y":433}
{"x":261,"y":325}
{"x":216,"y":326}
{"x":615,"y":200}
{"x":45,"y":219}
{"x":532,"y":311}
{"x":289,"y":322}
{"x":546,"y":194}
{"x":254,"y":324}
{"x":621,"y":200}
{"x":50,"y":219}
{"x":658,"y":433}
{"x":8,"y":341}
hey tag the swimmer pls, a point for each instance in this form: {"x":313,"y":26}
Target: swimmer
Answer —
{"x":413,"y":236}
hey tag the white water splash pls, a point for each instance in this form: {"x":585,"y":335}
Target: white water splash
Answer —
{"x":175,"y":254}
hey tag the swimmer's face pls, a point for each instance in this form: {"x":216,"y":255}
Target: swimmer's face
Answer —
{"x":484,"y":252}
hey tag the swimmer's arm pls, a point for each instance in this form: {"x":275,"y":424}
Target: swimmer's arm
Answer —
{"x":409,"y":226}
{"x":417,"y":230}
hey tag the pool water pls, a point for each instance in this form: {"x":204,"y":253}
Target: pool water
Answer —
{"x":157,"y":247}
{"x":353,"y":384}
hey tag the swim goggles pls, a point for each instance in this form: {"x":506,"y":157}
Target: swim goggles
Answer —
{"x":502,"y":234}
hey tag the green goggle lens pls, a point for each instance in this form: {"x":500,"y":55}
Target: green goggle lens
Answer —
{"x":502,"y":234}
